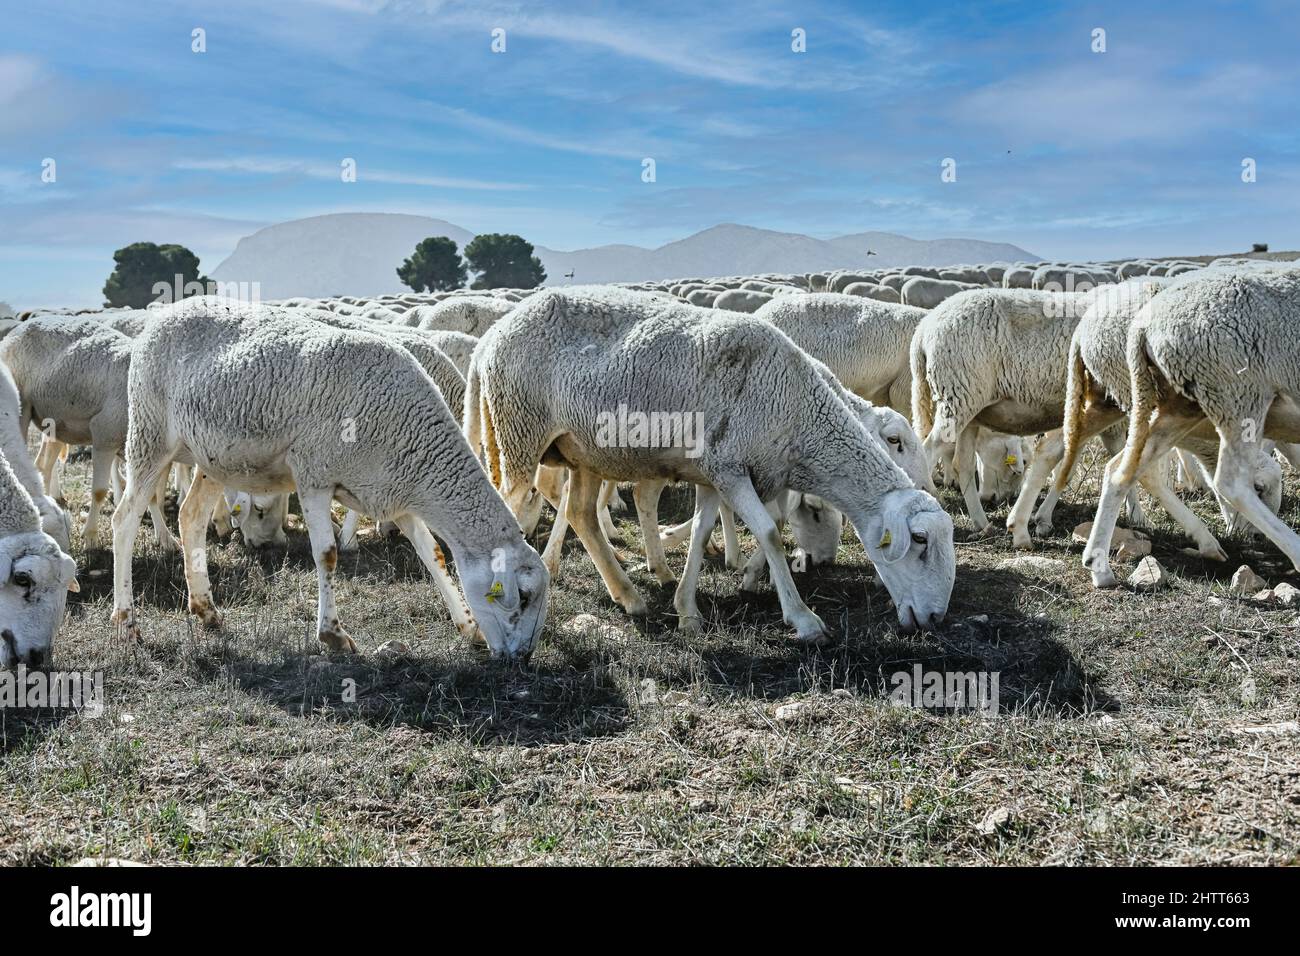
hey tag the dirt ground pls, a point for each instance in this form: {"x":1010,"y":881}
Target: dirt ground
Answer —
{"x":1132,"y":728}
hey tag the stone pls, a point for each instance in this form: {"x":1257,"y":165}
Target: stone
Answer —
{"x":392,"y":649}
{"x":1149,"y":575}
{"x":1033,"y":564}
{"x":788,"y":713}
{"x":1246,"y":582}
{"x":1288,"y":595}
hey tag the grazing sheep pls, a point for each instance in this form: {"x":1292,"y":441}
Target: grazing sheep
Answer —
{"x":1000,"y":464}
{"x":864,"y":343}
{"x":992,"y":357}
{"x":767,"y":420}
{"x":72,"y":376}
{"x":36,"y":575}
{"x":1097,"y":400}
{"x":926,"y":293}
{"x":339,"y":413}
{"x":1225,"y":349}
{"x":13,"y":444}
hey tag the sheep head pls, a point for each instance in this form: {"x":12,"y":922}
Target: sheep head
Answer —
{"x":909,"y":539}
{"x":507,"y":592}
{"x":35,"y":578}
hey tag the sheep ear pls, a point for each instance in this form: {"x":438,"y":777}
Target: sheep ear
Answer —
{"x":895,"y":537}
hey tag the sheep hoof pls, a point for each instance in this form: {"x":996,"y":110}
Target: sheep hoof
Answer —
{"x":337,"y":639}
{"x":1213,"y":552}
{"x":202,"y":608}
{"x":810,"y":629}
{"x":1022,"y":542}
{"x":690,"y":622}
{"x":1042,"y":528}
{"x":635,"y":605}
{"x":129,"y":629}
{"x":1104,"y":579}
{"x":989,"y":530}
{"x":663,"y":575}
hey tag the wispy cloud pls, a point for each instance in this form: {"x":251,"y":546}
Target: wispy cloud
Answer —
{"x":267,"y":166}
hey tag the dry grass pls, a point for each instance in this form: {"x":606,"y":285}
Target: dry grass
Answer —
{"x":1124,"y":734}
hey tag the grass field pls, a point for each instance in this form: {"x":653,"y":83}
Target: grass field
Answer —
{"x":1133,"y":728}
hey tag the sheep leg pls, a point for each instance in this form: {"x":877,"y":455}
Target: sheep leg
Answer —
{"x":737,"y":491}
{"x":426,"y":546}
{"x":162,"y":535}
{"x":555,"y":543}
{"x":316,"y":515}
{"x":1047,"y":456}
{"x":602,"y":510}
{"x":47,"y":460}
{"x":348,"y":532}
{"x":757,"y":562}
{"x":1164,"y":432}
{"x":707,"y":502}
{"x":221,"y":516}
{"x":141,"y":480}
{"x":1206,"y":543}
{"x":193,"y":521}
{"x":584,"y":487}
{"x":730,"y":543}
{"x":646,"y":496}
{"x":1113,"y":438}
{"x":672,"y":537}
{"x":101,"y":471}
{"x":1234,"y":478}
{"x":964,"y":462}
{"x":184,"y":478}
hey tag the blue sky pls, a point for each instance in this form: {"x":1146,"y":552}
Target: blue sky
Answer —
{"x":1066,"y":152}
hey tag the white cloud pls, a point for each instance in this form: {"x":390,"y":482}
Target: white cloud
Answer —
{"x":264,"y":166}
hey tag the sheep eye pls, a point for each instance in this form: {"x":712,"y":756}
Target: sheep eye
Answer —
{"x":895,"y":440}
{"x":524,"y":600}
{"x":23,"y":579}
{"x":919,"y":537}
{"x":259,"y":512}
{"x":816,"y":515}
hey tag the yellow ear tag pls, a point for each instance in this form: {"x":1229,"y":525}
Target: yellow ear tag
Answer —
{"x":496,"y":591}
{"x":1011,"y":461}
{"x":237,"y":509}
{"x":886,"y":539}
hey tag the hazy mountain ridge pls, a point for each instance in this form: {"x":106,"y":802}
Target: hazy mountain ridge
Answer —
{"x":358,"y":253}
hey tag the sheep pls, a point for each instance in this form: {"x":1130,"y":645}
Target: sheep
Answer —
{"x":36,"y":575}
{"x":742,"y":300}
{"x":927,"y":293}
{"x":72,"y":376}
{"x":1000,"y":464}
{"x":471,"y":314}
{"x":1097,"y":398}
{"x":767,"y":420}
{"x":13,"y":444}
{"x":864,"y":343}
{"x":1222,"y":348}
{"x":337,"y":413}
{"x":993,"y":357}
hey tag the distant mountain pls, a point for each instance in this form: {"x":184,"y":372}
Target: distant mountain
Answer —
{"x":358,"y":254}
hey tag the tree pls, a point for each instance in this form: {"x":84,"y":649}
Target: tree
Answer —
{"x":142,"y":265}
{"x":435,"y":266}
{"x":504,"y":261}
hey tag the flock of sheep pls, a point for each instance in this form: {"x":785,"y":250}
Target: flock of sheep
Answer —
{"x":456,"y":417}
